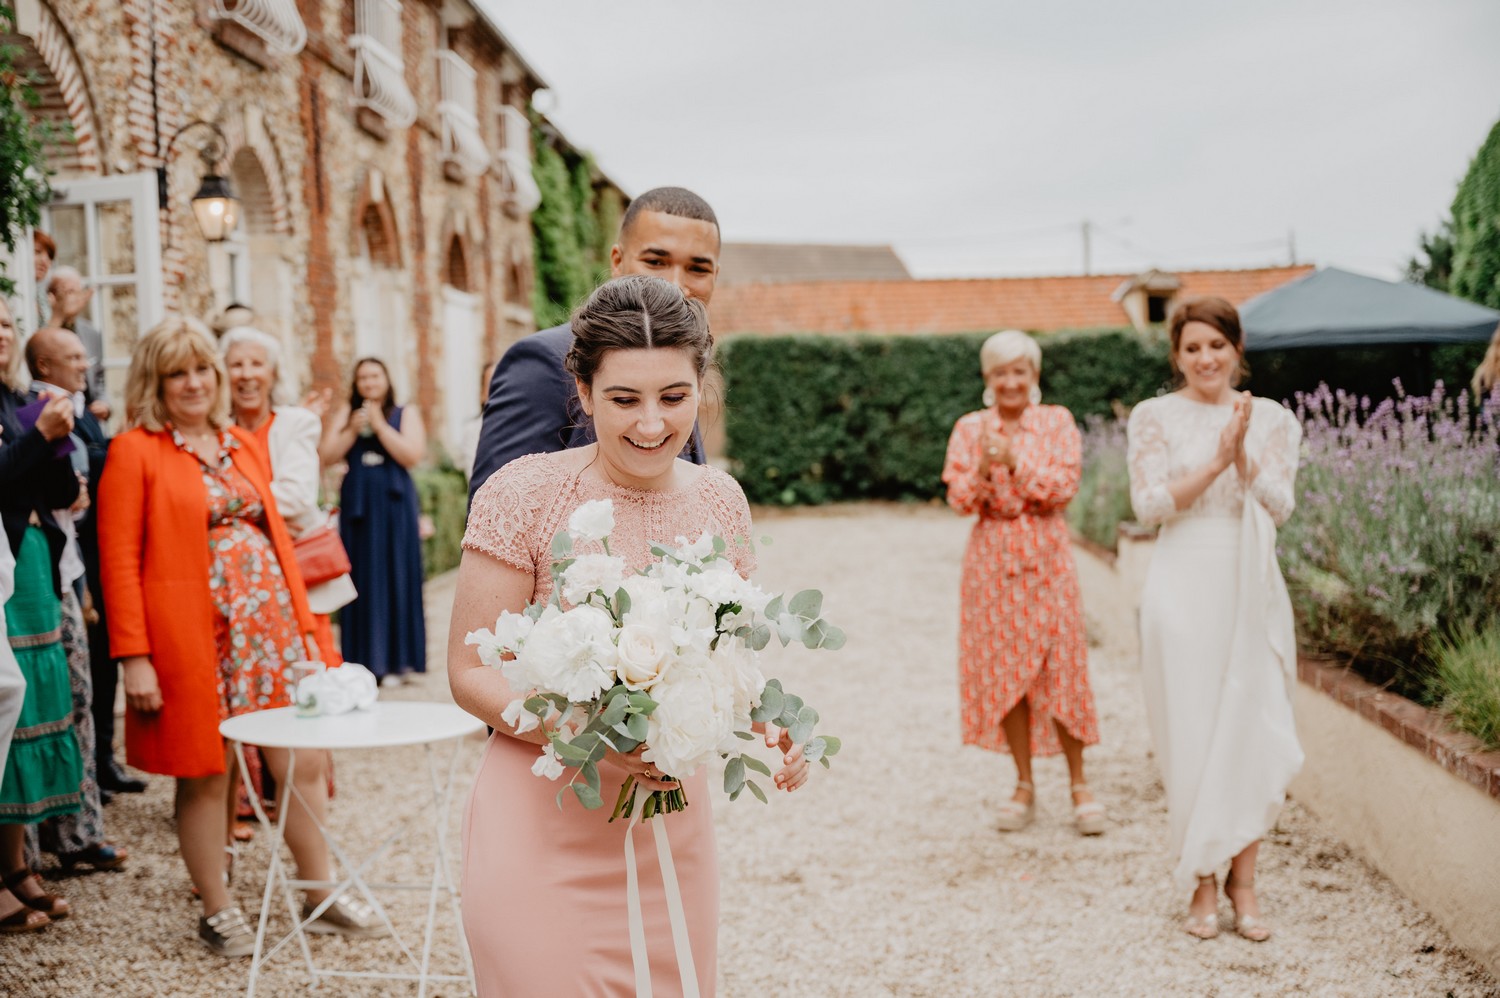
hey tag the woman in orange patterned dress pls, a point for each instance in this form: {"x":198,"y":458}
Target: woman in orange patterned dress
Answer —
{"x":1023,"y":660}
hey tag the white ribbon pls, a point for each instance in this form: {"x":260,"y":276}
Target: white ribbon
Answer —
{"x":675,"y":913}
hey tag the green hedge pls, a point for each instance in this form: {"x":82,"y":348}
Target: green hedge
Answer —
{"x":815,"y":419}
{"x":443,"y":494}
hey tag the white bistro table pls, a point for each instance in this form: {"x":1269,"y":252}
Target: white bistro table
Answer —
{"x":387,"y":725}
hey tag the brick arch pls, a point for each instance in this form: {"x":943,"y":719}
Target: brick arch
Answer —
{"x":47,"y":53}
{"x":373,"y":231}
{"x":251,"y":147}
{"x":459,"y":264}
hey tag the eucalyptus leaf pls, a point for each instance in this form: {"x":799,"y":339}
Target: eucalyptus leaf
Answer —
{"x":833,"y":638}
{"x":759,"y":637}
{"x":590,"y":773}
{"x":772,"y":702}
{"x":615,"y":712}
{"x":569,"y":754}
{"x":588,"y":796}
{"x":642,"y":702}
{"x":753,"y":763}
{"x":813,"y":750}
{"x":791,"y":628}
{"x":773,"y":608}
{"x":736,"y":794}
{"x":719,"y":546}
{"x":831,"y":745}
{"x":734,"y":774}
{"x":536,"y":705}
{"x":757,"y":791}
{"x":562,"y":544}
{"x":622,"y":602}
{"x":560,"y":794}
{"x":824,"y":761}
{"x":747,"y":736}
{"x":637,"y":727}
{"x":807,"y":604}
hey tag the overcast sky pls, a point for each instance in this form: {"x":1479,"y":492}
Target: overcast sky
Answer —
{"x":978,"y":135}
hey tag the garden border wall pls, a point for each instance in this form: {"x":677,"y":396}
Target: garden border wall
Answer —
{"x":1416,"y":799}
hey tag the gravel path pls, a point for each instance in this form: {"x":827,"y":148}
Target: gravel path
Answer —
{"x":885,"y":876}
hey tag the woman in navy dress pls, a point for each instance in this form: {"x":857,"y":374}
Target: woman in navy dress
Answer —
{"x":383,"y":628}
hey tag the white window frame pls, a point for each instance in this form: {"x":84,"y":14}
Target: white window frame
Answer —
{"x":275,"y":22}
{"x":458,"y":113}
{"x":514,"y":159}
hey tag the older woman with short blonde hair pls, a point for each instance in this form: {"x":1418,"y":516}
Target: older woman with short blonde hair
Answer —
{"x":207,"y":611}
{"x":1023,"y":658}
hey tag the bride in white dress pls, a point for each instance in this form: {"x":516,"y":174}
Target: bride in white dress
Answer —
{"x":1215,"y":467}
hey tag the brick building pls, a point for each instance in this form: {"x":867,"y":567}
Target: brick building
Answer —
{"x":379,"y":149}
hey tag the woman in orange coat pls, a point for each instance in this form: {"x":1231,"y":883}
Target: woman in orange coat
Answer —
{"x":211,"y":612}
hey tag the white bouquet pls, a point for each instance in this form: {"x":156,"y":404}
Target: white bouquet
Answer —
{"x":667,"y":657}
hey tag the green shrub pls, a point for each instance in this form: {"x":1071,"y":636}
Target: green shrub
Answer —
{"x":443,"y":493}
{"x":816,"y":419}
{"x":1466,"y":682}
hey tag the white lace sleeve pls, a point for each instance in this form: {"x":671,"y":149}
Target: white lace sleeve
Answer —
{"x":1274,"y":486}
{"x":1149,"y":461}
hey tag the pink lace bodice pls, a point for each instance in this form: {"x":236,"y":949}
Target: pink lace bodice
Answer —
{"x":522,"y":507}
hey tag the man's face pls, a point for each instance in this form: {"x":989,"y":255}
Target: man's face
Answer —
{"x":684,"y":251}
{"x":64,"y":362}
{"x":69,"y":298}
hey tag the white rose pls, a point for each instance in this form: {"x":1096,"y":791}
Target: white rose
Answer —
{"x":742,"y":666}
{"x":570,"y":653}
{"x":718,"y":583}
{"x":695,"y":551}
{"x":592,"y":521}
{"x":642,"y":650}
{"x":590,"y":572}
{"x":692,"y":722}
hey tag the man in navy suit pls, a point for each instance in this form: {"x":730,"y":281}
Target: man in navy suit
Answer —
{"x":667,"y":232}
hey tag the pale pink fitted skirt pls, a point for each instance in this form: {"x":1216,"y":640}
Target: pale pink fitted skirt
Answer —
{"x":544,"y":903}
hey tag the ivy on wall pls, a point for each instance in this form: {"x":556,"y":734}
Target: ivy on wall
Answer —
{"x":573,"y":228}
{"x":23,"y":180}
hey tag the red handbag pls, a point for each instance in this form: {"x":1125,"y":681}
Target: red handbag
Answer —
{"x":321,"y":556}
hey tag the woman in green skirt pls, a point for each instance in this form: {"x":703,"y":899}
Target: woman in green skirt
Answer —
{"x":44,"y":769}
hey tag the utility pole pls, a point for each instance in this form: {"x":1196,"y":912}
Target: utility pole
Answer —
{"x":1087,"y":265}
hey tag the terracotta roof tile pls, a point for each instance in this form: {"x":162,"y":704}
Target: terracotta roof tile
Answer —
{"x":1040,"y":304}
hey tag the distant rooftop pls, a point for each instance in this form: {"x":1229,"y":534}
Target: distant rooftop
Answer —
{"x":787,"y":263}
{"x":1040,"y":304}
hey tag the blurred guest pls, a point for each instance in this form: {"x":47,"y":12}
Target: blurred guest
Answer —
{"x":383,"y":628}
{"x":1023,"y":655}
{"x":60,"y":369}
{"x":468,"y":446}
{"x":44,"y":770}
{"x":43,"y":253}
{"x":1487,"y":374}
{"x":207,"y":613}
{"x":69,"y":297}
{"x":48,"y":351}
{"x":1215,"y":468}
{"x":288,"y":436}
{"x":12,"y":683}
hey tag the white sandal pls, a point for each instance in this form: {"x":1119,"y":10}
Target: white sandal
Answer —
{"x":1089,"y":816}
{"x":1014,"y":815}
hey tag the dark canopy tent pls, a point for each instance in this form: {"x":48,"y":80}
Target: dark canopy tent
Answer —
{"x":1334,"y":308}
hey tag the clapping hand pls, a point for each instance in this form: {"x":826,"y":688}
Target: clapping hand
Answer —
{"x":359,"y":420}
{"x":317,"y":402}
{"x":1231,"y":449}
{"x":994,"y":448}
{"x":374,"y":414}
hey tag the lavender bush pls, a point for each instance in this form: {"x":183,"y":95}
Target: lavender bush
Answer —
{"x":1396,"y":540}
{"x":1103,"y":499}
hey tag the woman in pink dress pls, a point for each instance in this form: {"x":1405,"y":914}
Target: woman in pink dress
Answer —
{"x":1023,"y":658}
{"x":544,"y":890}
